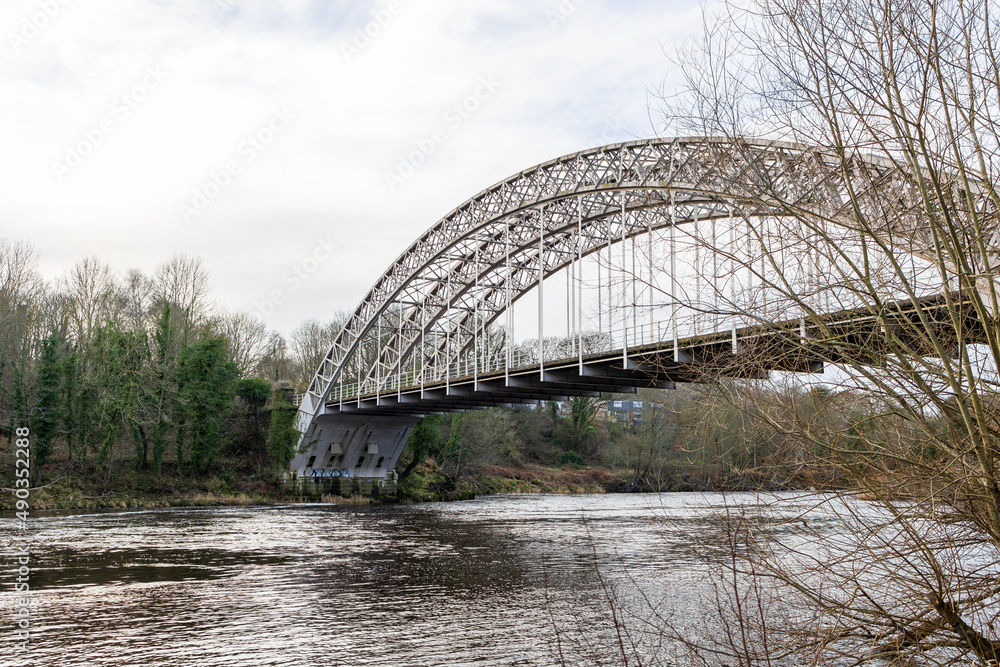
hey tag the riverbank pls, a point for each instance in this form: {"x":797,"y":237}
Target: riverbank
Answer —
{"x":127,"y":488}
{"x":91,"y":485}
{"x":428,"y":483}
{"x":79,"y":485}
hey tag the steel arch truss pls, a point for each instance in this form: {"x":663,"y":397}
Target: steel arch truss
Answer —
{"x":466,"y":270}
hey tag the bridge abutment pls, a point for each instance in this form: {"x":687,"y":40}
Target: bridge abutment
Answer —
{"x":352,"y":447}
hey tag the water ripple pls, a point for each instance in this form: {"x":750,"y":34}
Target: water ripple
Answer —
{"x":494,"y":581}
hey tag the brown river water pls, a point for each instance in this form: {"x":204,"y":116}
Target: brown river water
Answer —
{"x":502,"y":580}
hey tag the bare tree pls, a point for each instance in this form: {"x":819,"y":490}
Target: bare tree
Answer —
{"x":275,"y":365}
{"x":311,"y":341}
{"x":19,"y":277}
{"x":91,"y":292}
{"x":21,"y":293}
{"x":183,"y":283}
{"x":136,"y":301}
{"x":895,"y":286}
{"x":248,"y":340}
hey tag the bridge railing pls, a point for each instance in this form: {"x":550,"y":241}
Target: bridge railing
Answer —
{"x":528,"y":354}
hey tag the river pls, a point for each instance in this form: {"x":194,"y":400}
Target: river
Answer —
{"x":500,"y":580}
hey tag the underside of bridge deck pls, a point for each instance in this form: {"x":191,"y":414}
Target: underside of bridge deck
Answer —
{"x":363,"y":436}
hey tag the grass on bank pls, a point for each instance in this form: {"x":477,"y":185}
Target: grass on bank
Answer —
{"x":90,"y":484}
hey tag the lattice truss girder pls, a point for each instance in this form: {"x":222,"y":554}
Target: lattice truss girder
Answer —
{"x":457,"y":278}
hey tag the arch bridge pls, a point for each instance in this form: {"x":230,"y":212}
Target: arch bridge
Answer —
{"x":652,"y":254}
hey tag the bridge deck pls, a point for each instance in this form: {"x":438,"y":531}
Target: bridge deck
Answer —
{"x":750,"y":352}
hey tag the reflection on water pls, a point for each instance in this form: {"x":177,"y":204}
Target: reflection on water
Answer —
{"x":503,"y":580}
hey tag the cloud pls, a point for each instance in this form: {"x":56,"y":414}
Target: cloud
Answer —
{"x":228,"y":64}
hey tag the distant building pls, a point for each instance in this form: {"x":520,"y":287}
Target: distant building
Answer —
{"x":625,"y":411}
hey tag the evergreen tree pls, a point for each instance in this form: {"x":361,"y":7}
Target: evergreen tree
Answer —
{"x":579,"y":428}
{"x":71,"y":401}
{"x":425,"y":440}
{"x":454,"y":449}
{"x":48,"y":409}
{"x":164,"y":390}
{"x":81,"y":420}
{"x":121,"y":359}
{"x":206,"y":380}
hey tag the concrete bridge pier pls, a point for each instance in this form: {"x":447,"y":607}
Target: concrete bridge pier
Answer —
{"x":363,"y":447}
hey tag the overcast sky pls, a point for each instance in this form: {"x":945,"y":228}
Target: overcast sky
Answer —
{"x":254,"y":133}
